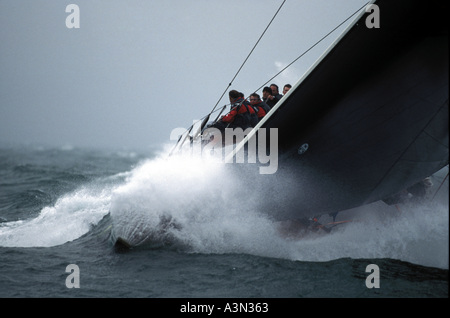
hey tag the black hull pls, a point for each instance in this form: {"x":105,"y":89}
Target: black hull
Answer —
{"x":374,"y":113}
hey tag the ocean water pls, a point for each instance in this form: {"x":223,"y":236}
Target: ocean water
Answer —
{"x":61,"y":207}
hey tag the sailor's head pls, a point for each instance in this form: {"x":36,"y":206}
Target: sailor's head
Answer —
{"x":267,"y":91}
{"x":274,"y":88}
{"x":286,"y":88}
{"x":233,"y":95}
{"x":254,"y":98}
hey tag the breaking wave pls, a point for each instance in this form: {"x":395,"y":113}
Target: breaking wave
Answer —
{"x":199,"y":207}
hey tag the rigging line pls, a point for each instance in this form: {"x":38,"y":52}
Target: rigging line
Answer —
{"x":314,"y":45}
{"x":248,"y":56}
{"x":440,"y":187}
{"x":188,"y":131}
{"x":423,"y":130}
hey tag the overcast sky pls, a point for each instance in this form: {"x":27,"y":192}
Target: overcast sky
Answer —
{"x":134,"y":70}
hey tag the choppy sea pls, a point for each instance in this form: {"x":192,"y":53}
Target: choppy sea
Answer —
{"x":59,"y":206}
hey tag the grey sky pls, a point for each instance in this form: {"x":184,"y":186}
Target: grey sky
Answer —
{"x":137,"y":69}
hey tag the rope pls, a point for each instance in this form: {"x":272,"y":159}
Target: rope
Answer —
{"x":248,"y":56}
{"x":295,"y":60}
{"x":254,"y":47}
{"x":310,"y":48}
{"x":439,"y":186}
